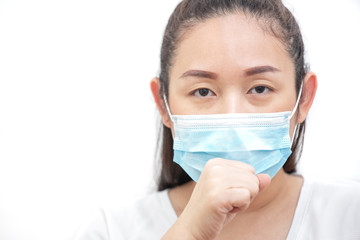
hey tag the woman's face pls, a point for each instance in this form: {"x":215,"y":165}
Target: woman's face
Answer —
{"x":231,"y":65}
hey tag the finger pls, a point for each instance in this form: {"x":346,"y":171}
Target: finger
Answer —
{"x":239,"y":199}
{"x":243,"y":180}
{"x":264,"y":181}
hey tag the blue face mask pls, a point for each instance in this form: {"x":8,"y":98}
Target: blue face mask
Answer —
{"x":259,"y":139}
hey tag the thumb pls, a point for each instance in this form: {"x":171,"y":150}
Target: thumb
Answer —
{"x":264,"y":181}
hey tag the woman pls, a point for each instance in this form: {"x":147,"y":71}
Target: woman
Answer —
{"x":234,"y":93}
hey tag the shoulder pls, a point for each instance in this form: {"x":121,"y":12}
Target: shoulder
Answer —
{"x":333,"y":191}
{"x":145,"y":210}
{"x":337,"y":197}
{"x":148,"y":217}
{"x":329,"y":209}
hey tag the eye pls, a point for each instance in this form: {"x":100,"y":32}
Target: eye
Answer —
{"x":259,"y":90}
{"x":203,"y":92}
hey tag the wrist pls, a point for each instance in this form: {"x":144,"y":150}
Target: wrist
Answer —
{"x":179,"y":231}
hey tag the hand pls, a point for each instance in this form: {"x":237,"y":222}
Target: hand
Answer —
{"x":224,"y":189}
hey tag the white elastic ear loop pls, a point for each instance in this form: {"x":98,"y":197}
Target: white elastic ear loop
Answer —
{"x":167,"y":108}
{"x":293,"y":136}
{"x":293,"y":112}
{"x":297,"y":102}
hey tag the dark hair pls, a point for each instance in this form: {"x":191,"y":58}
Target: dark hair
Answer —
{"x":275,"y":19}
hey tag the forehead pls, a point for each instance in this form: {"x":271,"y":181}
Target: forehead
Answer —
{"x":229,"y":41}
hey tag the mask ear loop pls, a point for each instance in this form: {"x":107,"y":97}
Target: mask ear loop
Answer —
{"x":293,"y":112}
{"x":169,"y":112}
{"x":293,"y":136}
{"x":297,"y":102}
{"x":167,"y":108}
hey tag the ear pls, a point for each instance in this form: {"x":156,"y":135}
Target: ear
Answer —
{"x":307,"y":97}
{"x":159,"y":101}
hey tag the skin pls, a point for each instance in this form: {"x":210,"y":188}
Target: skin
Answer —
{"x":230,"y":201}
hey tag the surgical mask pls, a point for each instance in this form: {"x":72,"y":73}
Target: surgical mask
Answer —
{"x":259,"y":139}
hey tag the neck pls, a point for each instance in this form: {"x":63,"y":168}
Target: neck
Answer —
{"x":279,"y":187}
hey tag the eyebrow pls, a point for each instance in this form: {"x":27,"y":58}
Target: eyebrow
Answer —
{"x":211,"y":75}
{"x":199,"y":74}
{"x":260,"y":69}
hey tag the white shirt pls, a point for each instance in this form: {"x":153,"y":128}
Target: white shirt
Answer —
{"x":326,"y":210}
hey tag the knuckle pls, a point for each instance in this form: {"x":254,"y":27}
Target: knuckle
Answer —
{"x":212,"y":162}
{"x":246,"y":166}
{"x":254,"y":188}
{"x":216,"y":200}
{"x":245,"y":200}
{"x":251,"y":169}
{"x":213,"y":167}
{"x":252,"y":195}
{"x":247,"y":195}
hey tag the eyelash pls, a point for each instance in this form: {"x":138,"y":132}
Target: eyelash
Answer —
{"x":267,"y":89}
{"x":197,"y":94}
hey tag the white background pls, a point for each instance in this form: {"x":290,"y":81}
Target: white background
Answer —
{"x":77,"y":122}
